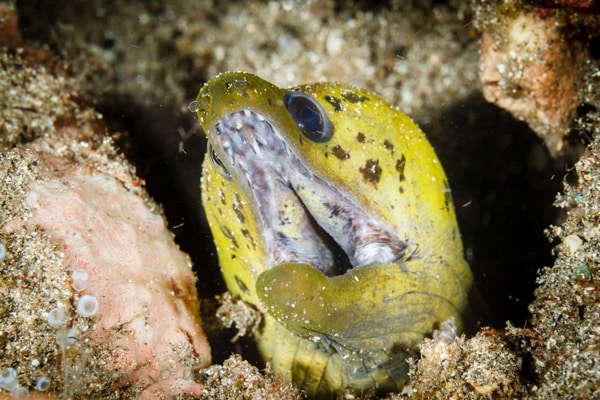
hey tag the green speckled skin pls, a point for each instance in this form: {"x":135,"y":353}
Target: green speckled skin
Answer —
{"x":356,"y":329}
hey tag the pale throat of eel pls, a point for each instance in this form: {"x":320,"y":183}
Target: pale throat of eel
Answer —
{"x":303,"y":218}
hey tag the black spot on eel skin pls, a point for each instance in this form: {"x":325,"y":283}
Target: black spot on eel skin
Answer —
{"x":340,"y":153}
{"x":371,"y":171}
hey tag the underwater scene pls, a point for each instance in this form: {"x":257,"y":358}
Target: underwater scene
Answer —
{"x":299,"y":199}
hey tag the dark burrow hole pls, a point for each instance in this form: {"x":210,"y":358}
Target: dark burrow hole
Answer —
{"x":504,"y":184}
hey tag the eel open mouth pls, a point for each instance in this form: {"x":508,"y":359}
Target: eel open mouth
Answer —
{"x":303,"y":218}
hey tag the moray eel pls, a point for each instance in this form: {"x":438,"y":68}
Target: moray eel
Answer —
{"x":332,"y":215}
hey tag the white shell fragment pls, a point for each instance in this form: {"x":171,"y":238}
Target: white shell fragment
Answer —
{"x":42,"y":384}
{"x":9,"y":379}
{"x":79,"y":280}
{"x":56,"y":317}
{"x":87,"y":306}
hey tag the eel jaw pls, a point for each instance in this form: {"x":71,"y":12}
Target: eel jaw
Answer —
{"x":303,"y":218}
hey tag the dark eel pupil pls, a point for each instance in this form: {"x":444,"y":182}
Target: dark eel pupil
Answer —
{"x":309,"y":115}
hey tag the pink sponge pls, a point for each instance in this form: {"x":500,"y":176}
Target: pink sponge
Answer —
{"x":147,"y":310}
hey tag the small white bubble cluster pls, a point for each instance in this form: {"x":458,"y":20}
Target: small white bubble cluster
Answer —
{"x":87,"y":306}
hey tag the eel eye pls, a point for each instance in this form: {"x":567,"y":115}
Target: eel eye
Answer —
{"x":217,"y":163}
{"x":309,"y":115}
